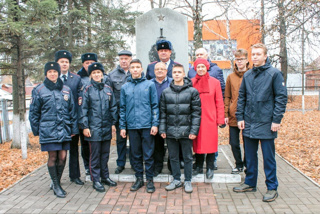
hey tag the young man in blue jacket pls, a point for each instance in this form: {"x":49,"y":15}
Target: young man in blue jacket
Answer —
{"x":139,"y":114}
{"x":261,"y":104}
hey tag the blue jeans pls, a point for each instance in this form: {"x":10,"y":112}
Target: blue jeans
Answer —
{"x":269,"y":162}
{"x":142,"y":148}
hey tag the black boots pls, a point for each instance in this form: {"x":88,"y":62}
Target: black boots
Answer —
{"x":56,"y":183}
{"x":137,"y":185}
{"x":98,"y":186}
{"x":197,"y":171}
{"x":108,"y":182}
{"x":60,"y":169}
{"x":150,"y":186}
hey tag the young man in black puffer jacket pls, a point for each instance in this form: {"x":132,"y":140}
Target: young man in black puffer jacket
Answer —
{"x":180,"y":115}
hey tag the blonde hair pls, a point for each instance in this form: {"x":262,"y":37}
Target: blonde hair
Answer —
{"x":262,"y":46}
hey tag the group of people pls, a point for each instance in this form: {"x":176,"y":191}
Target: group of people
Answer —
{"x":165,"y":105}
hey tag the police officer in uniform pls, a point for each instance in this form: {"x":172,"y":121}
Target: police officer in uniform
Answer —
{"x":87,"y":59}
{"x":164,"y":49}
{"x":96,"y":117}
{"x":118,"y":77}
{"x":53,"y":118}
{"x":73,"y":81}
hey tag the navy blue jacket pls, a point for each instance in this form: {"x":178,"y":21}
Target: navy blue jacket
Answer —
{"x":52,"y":112}
{"x":86,"y":80}
{"x":160,"y":87}
{"x":214,"y":71}
{"x":98,"y":111}
{"x":138,"y":104}
{"x":75,"y":84}
{"x":150,"y":70}
{"x":262,"y":100}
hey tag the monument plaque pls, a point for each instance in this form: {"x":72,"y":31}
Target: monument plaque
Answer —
{"x":162,"y":23}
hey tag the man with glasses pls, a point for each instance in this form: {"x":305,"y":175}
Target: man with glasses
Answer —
{"x":231,"y":94}
{"x":161,"y":82}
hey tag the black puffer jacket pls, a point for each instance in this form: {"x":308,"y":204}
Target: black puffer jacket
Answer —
{"x":97,"y":111}
{"x":180,"y":110}
{"x":52,"y":112}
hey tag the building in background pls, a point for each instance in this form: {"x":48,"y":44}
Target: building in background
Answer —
{"x":220,"y":46}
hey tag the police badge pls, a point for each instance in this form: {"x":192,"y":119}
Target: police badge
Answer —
{"x":66,"y":97}
{"x":80,"y":101}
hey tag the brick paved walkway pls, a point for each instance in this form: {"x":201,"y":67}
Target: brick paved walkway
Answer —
{"x":297,"y":194}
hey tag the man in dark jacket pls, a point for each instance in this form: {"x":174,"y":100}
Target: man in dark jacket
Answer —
{"x":118,"y":77}
{"x":87,"y":59}
{"x":161,"y":81}
{"x":64,"y":58}
{"x":214,"y":70}
{"x":261,"y":104}
{"x":180,"y":109}
{"x":139,"y":114}
{"x":164,"y":49}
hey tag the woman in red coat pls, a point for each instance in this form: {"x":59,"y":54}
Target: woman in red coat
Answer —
{"x":212,"y":116}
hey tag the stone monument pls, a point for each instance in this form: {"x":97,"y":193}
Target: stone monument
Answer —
{"x":162,"y":23}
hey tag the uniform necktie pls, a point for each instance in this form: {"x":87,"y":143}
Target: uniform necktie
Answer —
{"x":64,"y":78}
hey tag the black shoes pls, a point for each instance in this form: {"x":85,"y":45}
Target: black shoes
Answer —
{"x":137,"y":185}
{"x":56,"y":183}
{"x":209,"y":173}
{"x":98,"y":186}
{"x":77,"y":181}
{"x":244,"y":188}
{"x":197,"y":171}
{"x":150,"y":186}
{"x":236,"y":170}
{"x":108,"y":182}
{"x":119,"y":169}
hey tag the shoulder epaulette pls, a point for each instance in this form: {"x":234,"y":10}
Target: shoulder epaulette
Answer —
{"x":87,"y":88}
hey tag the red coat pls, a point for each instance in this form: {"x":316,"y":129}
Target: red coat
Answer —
{"x":212,"y":114}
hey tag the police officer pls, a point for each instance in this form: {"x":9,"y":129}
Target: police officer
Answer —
{"x":87,"y":59}
{"x":164,"y":49}
{"x":118,"y":77}
{"x":73,"y":81}
{"x":97,"y":114}
{"x":53,"y":117}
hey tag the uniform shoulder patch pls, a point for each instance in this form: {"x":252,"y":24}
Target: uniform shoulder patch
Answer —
{"x":66,"y":92}
{"x":80,"y":101}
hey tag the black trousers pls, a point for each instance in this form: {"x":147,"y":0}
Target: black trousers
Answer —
{"x":121,"y":148}
{"x":210,"y":158}
{"x":74,"y":169}
{"x":174,"y":148}
{"x":85,"y":150}
{"x":234,"y":134}
{"x":159,"y":152}
{"x":99,"y":157}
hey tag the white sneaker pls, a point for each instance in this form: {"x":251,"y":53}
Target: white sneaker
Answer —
{"x":188,"y":187}
{"x":173,"y":185}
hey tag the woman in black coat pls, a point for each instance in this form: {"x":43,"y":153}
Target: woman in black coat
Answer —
{"x":53,"y":117}
{"x":97,"y":114}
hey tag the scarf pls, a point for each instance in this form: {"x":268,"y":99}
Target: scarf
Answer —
{"x":202,"y":83}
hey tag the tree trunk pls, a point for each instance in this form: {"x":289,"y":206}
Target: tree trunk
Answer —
{"x":89,"y":35}
{"x":15,"y":120}
{"x":262,"y":23}
{"x":283,"y":40}
{"x":197,"y":25}
{"x":70,"y":29}
{"x":21,"y":99}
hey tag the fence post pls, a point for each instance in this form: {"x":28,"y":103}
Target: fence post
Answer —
{"x":319,"y":101}
{"x":5,"y":120}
